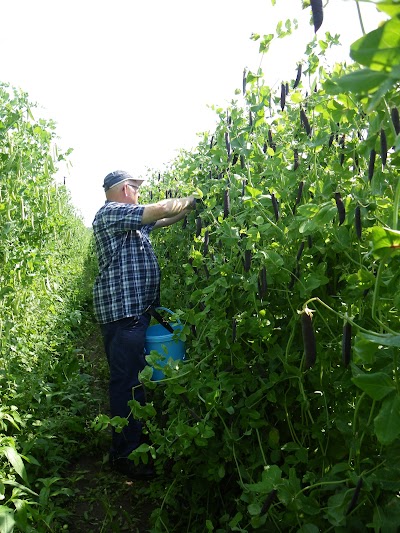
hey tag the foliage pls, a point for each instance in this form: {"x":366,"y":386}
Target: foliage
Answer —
{"x":45,"y":294}
{"x":285,"y":414}
{"x":299,"y":215}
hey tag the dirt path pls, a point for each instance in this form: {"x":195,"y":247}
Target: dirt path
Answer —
{"x":103,"y":500}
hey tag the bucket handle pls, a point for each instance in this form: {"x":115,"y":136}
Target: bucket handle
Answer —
{"x":169,"y":311}
{"x":153,"y":311}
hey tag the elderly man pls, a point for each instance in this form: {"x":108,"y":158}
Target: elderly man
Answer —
{"x":128,"y":284}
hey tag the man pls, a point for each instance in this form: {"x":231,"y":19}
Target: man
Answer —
{"x":127,"y":285}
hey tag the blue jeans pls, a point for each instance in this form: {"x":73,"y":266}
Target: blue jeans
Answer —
{"x":124,"y":342}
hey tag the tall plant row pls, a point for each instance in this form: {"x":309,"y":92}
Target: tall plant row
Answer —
{"x":45,"y":280}
{"x":285,"y":415}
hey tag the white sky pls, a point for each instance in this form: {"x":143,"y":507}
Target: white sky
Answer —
{"x":129,"y":82}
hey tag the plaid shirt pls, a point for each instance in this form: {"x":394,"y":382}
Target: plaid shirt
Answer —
{"x":129,"y":277}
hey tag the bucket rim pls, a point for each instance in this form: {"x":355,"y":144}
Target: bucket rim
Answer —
{"x":166,"y":336}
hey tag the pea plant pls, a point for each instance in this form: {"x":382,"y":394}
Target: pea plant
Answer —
{"x":45,"y":281}
{"x":285,"y":414}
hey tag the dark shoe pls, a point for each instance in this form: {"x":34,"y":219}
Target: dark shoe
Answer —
{"x":132,"y":471}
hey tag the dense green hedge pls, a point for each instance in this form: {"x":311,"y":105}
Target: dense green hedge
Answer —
{"x":276,"y":421}
{"x":45,"y":304}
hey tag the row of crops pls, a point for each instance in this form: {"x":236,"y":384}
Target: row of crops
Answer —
{"x":45,"y":297}
{"x":285,"y":415}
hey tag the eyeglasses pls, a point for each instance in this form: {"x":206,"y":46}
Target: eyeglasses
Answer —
{"x":133,"y":187}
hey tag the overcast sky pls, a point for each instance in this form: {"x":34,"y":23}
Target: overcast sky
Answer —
{"x":130,"y":82}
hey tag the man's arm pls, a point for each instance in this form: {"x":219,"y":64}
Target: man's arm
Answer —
{"x":163,"y":222}
{"x":167,"y":209}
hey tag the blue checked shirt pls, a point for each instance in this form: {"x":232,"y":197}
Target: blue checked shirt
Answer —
{"x":129,"y":275}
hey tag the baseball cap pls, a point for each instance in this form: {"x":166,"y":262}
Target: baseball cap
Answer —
{"x":116,"y":177}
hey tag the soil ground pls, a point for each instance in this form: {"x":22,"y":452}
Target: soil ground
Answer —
{"x":104,"y":501}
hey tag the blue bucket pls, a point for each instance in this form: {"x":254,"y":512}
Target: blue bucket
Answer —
{"x":161,"y":340}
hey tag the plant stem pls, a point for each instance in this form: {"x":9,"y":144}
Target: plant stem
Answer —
{"x":376,"y":290}
{"x":260,"y":445}
{"x":357,"y":408}
{"x":262,"y":209}
{"x":320,"y":484}
{"x":345,"y":317}
{"x":391,"y":125}
{"x":369,"y":421}
{"x":167,"y":493}
{"x":290,"y":425}
{"x":237,"y":466}
{"x":289,"y":343}
{"x":396,"y":203}
{"x":360,"y":17}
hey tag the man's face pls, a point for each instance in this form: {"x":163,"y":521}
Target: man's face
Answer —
{"x":132,"y":192}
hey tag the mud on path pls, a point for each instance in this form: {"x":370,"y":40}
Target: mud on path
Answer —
{"x":103,"y":501}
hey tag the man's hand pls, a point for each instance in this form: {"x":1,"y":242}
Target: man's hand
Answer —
{"x":169,"y":208}
{"x":193,"y":202}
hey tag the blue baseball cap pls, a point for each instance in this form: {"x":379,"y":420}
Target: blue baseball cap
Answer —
{"x":116,"y":177}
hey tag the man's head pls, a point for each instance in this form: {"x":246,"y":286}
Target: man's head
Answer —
{"x":120,"y":186}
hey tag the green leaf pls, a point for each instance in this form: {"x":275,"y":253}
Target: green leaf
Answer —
{"x":387,"y":422}
{"x":335,"y":512}
{"x":296,"y":97}
{"x":274,"y":259}
{"x":138,"y":411}
{"x":271,"y":478}
{"x":377,"y":385}
{"x":15,"y":459}
{"x":391,"y":515}
{"x":118,"y":423}
{"x":385,"y":241}
{"x":339,"y":468}
{"x":7,"y":521}
{"x":315,"y":279}
{"x":147,"y":372}
{"x":389,"y":8}
{"x":6,"y":290}
{"x":254,"y":193}
{"x":361,"y":81}
{"x":364,"y":351}
{"x":22,"y":488}
{"x":308,"y":210}
{"x":308,"y":227}
{"x":177,"y":389}
{"x":254,"y":509}
{"x":270,"y":151}
{"x":235,"y":520}
{"x":265,"y":43}
{"x":388,"y":339}
{"x":209,"y":525}
{"x":326,"y":214}
{"x":21,"y":513}
{"x":380,"y":93}
{"x":379,"y":49}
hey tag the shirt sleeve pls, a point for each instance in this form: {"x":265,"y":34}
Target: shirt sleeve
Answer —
{"x":146,"y":228}
{"x":123,"y":217}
